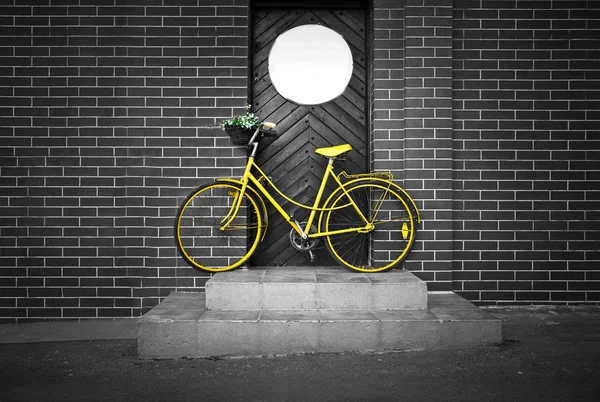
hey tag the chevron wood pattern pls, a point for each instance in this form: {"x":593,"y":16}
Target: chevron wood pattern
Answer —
{"x":290,"y":159}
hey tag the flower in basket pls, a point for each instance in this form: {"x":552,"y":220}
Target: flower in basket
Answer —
{"x":240,"y":128}
{"x":249,"y":121}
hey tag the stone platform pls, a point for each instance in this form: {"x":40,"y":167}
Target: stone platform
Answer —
{"x":310,"y":288}
{"x":250,"y":322}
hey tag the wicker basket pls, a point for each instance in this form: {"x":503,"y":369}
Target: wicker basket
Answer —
{"x":239,"y":135}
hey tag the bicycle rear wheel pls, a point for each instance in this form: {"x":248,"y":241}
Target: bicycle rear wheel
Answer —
{"x":380,"y":249}
{"x":199,"y":233}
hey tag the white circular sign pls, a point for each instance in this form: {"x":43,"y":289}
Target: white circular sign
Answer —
{"x":310,"y":64}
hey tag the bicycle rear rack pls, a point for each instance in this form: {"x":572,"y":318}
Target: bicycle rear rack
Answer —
{"x":382,"y":175}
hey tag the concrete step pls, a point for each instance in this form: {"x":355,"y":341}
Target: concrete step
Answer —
{"x":181,"y":326}
{"x":308,"y":288}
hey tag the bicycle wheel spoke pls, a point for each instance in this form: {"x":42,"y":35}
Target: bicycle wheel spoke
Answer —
{"x":382,"y":247}
{"x":347,"y":246}
{"x":209,"y":237}
{"x":377,"y":207}
{"x":356,"y":250}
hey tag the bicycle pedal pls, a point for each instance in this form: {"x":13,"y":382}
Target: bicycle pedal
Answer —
{"x":312,"y":256}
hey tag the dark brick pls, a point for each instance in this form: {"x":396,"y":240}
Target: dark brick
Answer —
{"x":62,"y":302}
{"x":44,"y":312}
{"x":568,"y":296}
{"x":96,"y":302}
{"x":114,"y":312}
{"x":79,"y":312}
{"x":79,"y":292}
{"x":533,"y":296}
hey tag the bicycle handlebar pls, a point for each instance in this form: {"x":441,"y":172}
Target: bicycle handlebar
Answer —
{"x":267,"y":129}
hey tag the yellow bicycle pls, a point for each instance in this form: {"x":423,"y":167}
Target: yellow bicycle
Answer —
{"x":369,"y":222}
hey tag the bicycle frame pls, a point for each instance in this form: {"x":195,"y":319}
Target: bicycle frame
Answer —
{"x":249,"y":177}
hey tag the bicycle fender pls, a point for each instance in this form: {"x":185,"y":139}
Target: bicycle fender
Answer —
{"x":255,"y":193}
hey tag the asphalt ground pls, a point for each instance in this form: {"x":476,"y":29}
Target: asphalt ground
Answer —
{"x":548,"y":353}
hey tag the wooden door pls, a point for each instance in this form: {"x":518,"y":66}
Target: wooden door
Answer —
{"x":290,"y":159}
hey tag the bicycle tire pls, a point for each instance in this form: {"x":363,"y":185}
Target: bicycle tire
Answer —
{"x":199,"y":235}
{"x":380,"y":249}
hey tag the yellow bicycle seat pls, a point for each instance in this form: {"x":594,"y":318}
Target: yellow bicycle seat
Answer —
{"x":332,"y":152}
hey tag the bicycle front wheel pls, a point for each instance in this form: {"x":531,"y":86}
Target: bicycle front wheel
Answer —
{"x":205,"y":240}
{"x":381,"y":248}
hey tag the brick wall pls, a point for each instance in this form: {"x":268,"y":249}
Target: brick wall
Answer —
{"x":106,"y":115}
{"x":526,"y":150}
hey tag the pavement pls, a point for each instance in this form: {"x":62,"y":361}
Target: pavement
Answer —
{"x":548,"y":353}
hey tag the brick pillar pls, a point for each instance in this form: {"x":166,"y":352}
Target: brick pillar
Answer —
{"x":428,"y":135}
{"x":412,"y":121}
{"x":387,"y":94}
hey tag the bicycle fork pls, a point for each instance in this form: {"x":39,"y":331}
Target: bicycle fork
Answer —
{"x":232,"y":210}
{"x":237,"y":202}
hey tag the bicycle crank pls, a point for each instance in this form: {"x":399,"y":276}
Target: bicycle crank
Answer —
{"x":301,"y":244}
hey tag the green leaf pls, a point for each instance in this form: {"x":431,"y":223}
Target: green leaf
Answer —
{"x":248,"y":121}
